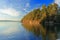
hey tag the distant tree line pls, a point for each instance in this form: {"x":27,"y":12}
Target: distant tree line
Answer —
{"x":44,"y":13}
{"x":36,"y":14}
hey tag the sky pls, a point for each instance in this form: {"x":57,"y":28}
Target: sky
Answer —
{"x":16,"y":9}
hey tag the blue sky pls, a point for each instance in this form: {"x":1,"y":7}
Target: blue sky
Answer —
{"x":16,"y":9}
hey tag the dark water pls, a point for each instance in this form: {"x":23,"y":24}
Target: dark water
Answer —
{"x":17,"y":31}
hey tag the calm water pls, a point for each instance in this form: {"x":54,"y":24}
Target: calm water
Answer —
{"x":17,"y":31}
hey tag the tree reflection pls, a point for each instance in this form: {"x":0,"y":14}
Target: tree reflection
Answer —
{"x":36,"y":29}
{"x":33,"y":28}
{"x":40,"y":30}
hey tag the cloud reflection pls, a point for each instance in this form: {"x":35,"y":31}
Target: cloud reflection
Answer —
{"x":8,"y":28}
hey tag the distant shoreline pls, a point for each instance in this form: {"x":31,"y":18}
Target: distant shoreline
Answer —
{"x":8,"y":21}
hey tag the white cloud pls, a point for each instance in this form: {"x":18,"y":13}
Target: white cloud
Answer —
{"x":58,"y":2}
{"x":25,"y":10}
{"x":9,"y":11}
{"x":14,"y":19}
{"x":26,"y":7}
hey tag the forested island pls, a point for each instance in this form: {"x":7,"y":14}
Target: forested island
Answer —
{"x":45,"y":19}
{"x":36,"y":16}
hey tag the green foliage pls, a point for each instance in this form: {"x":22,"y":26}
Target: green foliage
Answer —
{"x":37,"y":14}
{"x":45,"y":14}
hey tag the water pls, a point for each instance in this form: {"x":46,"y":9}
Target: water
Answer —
{"x":17,"y":31}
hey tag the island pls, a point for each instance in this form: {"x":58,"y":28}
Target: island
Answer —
{"x":36,"y":16}
{"x":47,"y":16}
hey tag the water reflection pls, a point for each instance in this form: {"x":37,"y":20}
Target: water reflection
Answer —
{"x":15,"y":31}
{"x":32,"y":28}
{"x":8,"y":28}
{"x":38,"y":30}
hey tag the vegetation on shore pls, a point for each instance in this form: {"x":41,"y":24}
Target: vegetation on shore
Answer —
{"x":38,"y":15}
